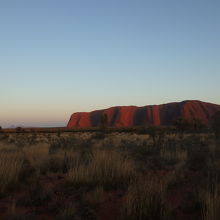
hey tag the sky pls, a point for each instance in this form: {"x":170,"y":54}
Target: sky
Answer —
{"x":63,"y":56}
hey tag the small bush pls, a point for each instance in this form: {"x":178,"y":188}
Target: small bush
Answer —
{"x":95,"y":197}
{"x":197,"y":159}
{"x":98,"y":135}
{"x":62,"y":144}
{"x":37,"y":196}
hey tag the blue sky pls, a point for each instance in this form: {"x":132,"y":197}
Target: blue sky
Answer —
{"x":62,"y":56}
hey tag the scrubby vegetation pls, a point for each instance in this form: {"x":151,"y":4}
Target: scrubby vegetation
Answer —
{"x":150,"y":174}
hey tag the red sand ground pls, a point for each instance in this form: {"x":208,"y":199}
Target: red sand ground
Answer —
{"x":112,"y":203}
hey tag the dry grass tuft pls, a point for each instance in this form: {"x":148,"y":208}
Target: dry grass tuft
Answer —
{"x":106,"y":168}
{"x":145,"y":200}
{"x":10,"y":167}
{"x":37,"y":156}
{"x":179,"y":155}
{"x":36,"y":153}
{"x":211,"y":202}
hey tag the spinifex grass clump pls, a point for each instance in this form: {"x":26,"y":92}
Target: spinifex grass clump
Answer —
{"x":36,"y":155}
{"x":211,"y":202}
{"x":145,"y":200}
{"x":176,"y":155}
{"x":106,"y":168}
{"x":10,"y":167}
{"x":69,"y":212}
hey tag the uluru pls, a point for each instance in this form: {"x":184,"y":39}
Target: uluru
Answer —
{"x":128,"y":116}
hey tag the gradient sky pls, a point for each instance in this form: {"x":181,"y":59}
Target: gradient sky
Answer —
{"x":58,"y":57}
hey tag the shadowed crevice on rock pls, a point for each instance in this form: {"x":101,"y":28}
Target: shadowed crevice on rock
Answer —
{"x":128,"y":116}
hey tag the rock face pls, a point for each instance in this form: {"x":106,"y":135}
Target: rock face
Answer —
{"x":128,"y":116}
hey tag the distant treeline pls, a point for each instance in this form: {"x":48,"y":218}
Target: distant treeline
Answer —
{"x":180,"y":125}
{"x":137,"y":129}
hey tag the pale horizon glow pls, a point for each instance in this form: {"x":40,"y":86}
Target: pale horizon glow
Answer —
{"x":58,"y":57}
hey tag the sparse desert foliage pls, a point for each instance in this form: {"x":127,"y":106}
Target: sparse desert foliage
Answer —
{"x":210,"y":198}
{"x":145,"y":199}
{"x":123,"y":175}
{"x":11,"y":164}
{"x":105,"y":168}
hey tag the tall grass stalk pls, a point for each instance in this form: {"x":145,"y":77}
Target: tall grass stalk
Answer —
{"x":145,"y":200}
{"x":106,"y":168}
{"x":10,"y":167}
